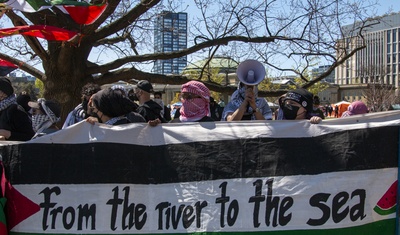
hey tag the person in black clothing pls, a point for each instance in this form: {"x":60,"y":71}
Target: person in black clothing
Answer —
{"x":316,"y":111}
{"x":215,"y":110}
{"x":150,"y":110}
{"x":23,"y":99}
{"x":112,"y":107}
{"x":15,"y":123}
{"x":195,"y":97}
{"x":336,"y":111}
{"x":166,"y":112}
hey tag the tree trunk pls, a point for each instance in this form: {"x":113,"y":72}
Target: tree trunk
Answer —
{"x":65,"y":77}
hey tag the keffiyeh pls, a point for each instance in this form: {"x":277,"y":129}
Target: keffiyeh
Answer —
{"x":7,"y":102}
{"x":238,"y":98}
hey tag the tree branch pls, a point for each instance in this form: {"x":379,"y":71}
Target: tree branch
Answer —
{"x":32,"y":41}
{"x":125,"y":20}
{"x":162,"y":56}
{"x":24,"y":66}
{"x":128,"y":73}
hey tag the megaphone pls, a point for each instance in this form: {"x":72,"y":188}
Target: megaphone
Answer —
{"x":251,"y":72}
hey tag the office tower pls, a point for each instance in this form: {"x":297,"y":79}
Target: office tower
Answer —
{"x":378,"y":63}
{"x":170,"y":34}
{"x":322,"y":69}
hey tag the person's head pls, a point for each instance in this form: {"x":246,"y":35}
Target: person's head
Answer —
{"x":316,"y":102}
{"x":87,"y":91}
{"x":157,"y":95}
{"x":357,"y":107}
{"x":158,"y":99}
{"x":6,"y":89}
{"x":195,"y":97}
{"x":296,"y":104}
{"x":143,"y":90}
{"x":23,"y":100}
{"x":212,"y":101}
{"x":44,"y":110}
{"x":109,"y":103}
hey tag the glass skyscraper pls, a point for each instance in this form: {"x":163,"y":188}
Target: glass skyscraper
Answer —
{"x":170,"y":34}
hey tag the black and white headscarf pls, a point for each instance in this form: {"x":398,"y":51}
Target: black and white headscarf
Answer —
{"x":237,"y":99}
{"x":41,"y":122}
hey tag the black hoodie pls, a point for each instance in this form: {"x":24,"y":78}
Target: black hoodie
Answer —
{"x":150,"y":110}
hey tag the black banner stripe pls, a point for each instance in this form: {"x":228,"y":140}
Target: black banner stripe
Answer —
{"x":363,"y":149}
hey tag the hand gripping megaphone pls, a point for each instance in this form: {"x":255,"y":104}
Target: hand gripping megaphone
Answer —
{"x":251,"y":72}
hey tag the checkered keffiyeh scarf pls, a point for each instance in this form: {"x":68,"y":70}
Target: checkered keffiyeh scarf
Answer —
{"x":7,"y":102}
{"x":43,"y":121}
{"x":197,"y":108}
{"x":53,"y":118}
{"x":197,"y":88}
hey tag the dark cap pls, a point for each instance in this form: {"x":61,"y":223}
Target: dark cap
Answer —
{"x":145,"y":86}
{"x":50,"y":104}
{"x":5,"y":86}
{"x":301,"y":96}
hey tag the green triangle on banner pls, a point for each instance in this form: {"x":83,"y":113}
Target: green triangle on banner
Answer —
{"x":3,"y":224}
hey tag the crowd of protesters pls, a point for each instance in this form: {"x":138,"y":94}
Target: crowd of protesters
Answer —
{"x":22,"y":119}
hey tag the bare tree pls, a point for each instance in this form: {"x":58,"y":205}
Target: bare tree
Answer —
{"x":379,"y":96}
{"x":274,"y":32}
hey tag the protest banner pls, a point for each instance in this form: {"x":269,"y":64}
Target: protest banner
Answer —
{"x":270,"y":177}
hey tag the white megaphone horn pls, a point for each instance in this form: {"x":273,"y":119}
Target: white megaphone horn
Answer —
{"x":251,"y":72}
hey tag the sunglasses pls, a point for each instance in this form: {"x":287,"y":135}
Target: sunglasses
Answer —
{"x":189,"y":96}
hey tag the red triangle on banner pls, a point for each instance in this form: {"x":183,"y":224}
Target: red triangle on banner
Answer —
{"x":18,"y":207}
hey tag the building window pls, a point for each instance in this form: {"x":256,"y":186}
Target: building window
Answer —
{"x":388,"y":36}
{"x":394,"y":35}
{"x":182,"y":16}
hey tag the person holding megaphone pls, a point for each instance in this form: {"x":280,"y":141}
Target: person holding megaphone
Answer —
{"x":245,"y":104}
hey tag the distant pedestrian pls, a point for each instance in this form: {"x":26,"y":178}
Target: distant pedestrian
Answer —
{"x":215,"y":110}
{"x":221,"y":103}
{"x":166,"y":112}
{"x":336,"y":111}
{"x":316,"y":111}
{"x":326,"y":110}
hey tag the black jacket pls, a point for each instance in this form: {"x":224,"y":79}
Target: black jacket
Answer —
{"x":15,"y":119}
{"x":150,"y":110}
